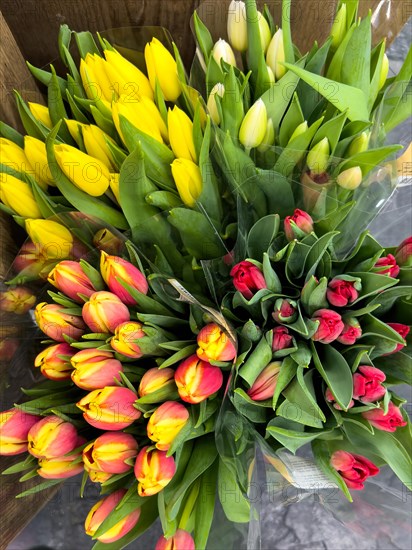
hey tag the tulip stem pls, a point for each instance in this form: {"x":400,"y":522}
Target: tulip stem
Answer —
{"x":189,"y":505}
{"x":244,"y":61}
{"x":247,"y":150}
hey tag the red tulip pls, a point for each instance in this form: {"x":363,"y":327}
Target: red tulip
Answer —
{"x":330,"y":326}
{"x":70,"y":279}
{"x":181,"y":540}
{"x":367,"y":384}
{"x":115,"y":270}
{"x":265,"y":384}
{"x":342,"y":291}
{"x":196,"y":380}
{"x":285,"y":311}
{"x":298,"y":225}
{"x":351,"y":332}
{"x":387,"y":266}
{"x":403,"y":253}
{"x":353,"y":468}
{"x":403,"y":330}
{"x":247,"y":279}
{"x":388,"y":422}
{"x":281,"y":339}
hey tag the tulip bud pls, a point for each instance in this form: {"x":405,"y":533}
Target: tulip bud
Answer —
{"x":343,"y":290}
{"x":403,"y":254}
{"x":332,"y":399}
{"x":143,"y":114}
{"x":188,"y":180}
{"x":387,"y":266}
{"x":95,"y":369}
{"x":52,"y":437}
{"x":330,"y":326}
{"x":402,"y":330}
{"x":166,"y":422}
{"x":269,"y":138}
{"x":156,"y":379}
{"x":54,"y":362}
{"x":384,"y":71}
{"x":318,"y":157}
{"x":354,"y":469}
{"x":75,"y":129}
{"x":265,"y":34}
{"x":285,"y":311}
{"x":104,"y":312}
{"x":134,"y":340}
{"x":367,"y":384}
{"x":197,"y":380}
{"x":254,"y":125}
{"x":237,"y":26}
{"x":214,"y":344}
{"x":101,"y":510}
{"x":351,"y":332}
{"x":359,"y":144}
{"x":111,"y":453}
{"x":153,"y":470}
{"x":247,"y":279}
{"x":298,"y":226}
{"x":276,"y":54}
{"x":110,"y":408}
{"x":87,"y":173}
{"x":338,"y":29}
{"x":108,"y":242}
{"x":136,"y":81}
{"x":14,"y":429}
{"x":96,"y":144}
{"x":115,"y":270}
{"x":41,"y":114}
{"x":218,"y":89}
{"x":69,"y":278}
{"x":96,"y":476}
{"x":281,"y":339}
{"x":94,"y":78}
{"x":300,"y":129}
{"x":115,"y":186}
{"x":18,"y":299}
{"x":35,"y":151}
{"x":181,"y":540}
{"x":350,"y":179}
{"x":18,"y":196}
{"x":181,"y":134}
{"x":222,"y":50}
{"x":57,"y":324}
{"x":387,"y":422}
{"x":162,"y":67}
{"x":264,"y":386}
{"x":62,"y":467}
{"x":13,"y":156}
{"x":8,"y":347}
{"x":53,"y":240}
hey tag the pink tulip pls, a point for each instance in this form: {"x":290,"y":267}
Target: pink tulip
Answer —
{"x":247,"y":279}
{"x":196,"y":380}
{"x":14,"y":429}
{"x":367,"y":384}
{"x":115,"y":270}
{"x":402,"y":330}
{"x":298,"y":225}
{"x":330,"y":326}
{"x":104,"y":312}
{"x":342,"y":292}
{"x":403,"y":253}
{"x":110,"y":408}
{"x":354,"y":469}
{"x":94,"y":369}
{"x":388,"y":422}
{"x":387,"y":266}
{"x":52,"y":437}
{"x":351,"y":332}
{"x":265,"y":384}
{"x":69,"y":278}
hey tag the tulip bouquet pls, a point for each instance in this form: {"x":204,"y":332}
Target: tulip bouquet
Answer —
{"x":214,"y":296}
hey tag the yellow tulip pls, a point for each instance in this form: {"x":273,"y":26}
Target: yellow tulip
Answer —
{"x":222,"y":50}
{"x":55,"y":240}
{"x":265,"y":34}
{"x":276,"y":54}
{"x":338,"y":29}
{"x":95,"y":141}
{"x":162,"y":66}
{"x":237,"y":26}
{"x":18,"y":196}
{"x":36,"y":153}
{"x":254,"y":125}
{"x":41,"y":113}
{"x":188,"y":180}
{"x":300,"y":129}
{"x":218,"y":89}
{"x":114,"y":186}
{"x":318,"y":157}
{"x":359,"y":144}
{"x":85,"y":172}
{"x":131,"y":79}
{"x":143,"y":114}
{"x":94,"y":78}
{"x":384,"y":71}
{"x":269,"y":138}
{"x":74,"y":127}
{"x":350,"y":178}
{"x":181,"y":134}
{"x":13,"y":156}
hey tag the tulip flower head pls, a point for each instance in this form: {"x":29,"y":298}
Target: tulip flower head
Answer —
{"x":18,"y":196}
{"x":35,"y":151}
{"x":13,"y":156}
{"x":62,"y":467}
{"x":41,"y":113}
{"x":197,"y":380}
{"x":343,"y":290}
{"x":282,"y":339}
{"x":298,"y":225}
{"x":367,"y":384}
{"x":275,"y":55}
{"x":94,"y":369}
{"x":15,"y":426}
{"x":52,"y":437}
{"x":402,"y":330}
{"x":116,"y":271}
{"x":69,"y":278}
{"x":214,"y":344}
{"x":126,"y":339}
{"x":136,"y":81}
{"x":237,"y":26}
{"x":388,"y":422}
{"x":181,"y":134}
{"x":285,"y":311}
{"x":162,"y":67}
{"x":188,"y":180}
{"x":57,"y":324}
{"x":181,"y":540}
{"x":350,"y":178}
{"x":265,"y":384}
{"x":106,"y":241}
{"x":353,"y":468}
{"x":104,"y":312}
{"x":165,"y":423}
{"x":54,"y":361}
{"x":403,"y":253}
{"x":153,"y":470}
{"x":111,"y":453}
{"x":101,"y":510}
{"x":351,"y":332}
{"x":253,"y":128}
{"x":318,"y":158}
{"x":247,"y":279}
{"x":143,"y":114}
{"x":265,"y":36}
{"x":218,"y":89}
{"x":223,"y":52}
{"x":338,"y":29}
{"x":387,"y":266}
{"x":110,"y":408}
{"x":18,"y":299}
{"x":53,"y":240}
{"x":330,"y":326}
{"x":96,"y":143}
{"x":156,"y":379}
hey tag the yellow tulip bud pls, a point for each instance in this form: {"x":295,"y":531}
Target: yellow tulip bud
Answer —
{"x":87,"y":173}
{"x":222,"y":50}
{"x":131,"y":79}
{"x":95,"y":81}
{"x":74,"y":127}
{"x":53,"y":238}
{"x":218,"y":89}
{"x":318,"y":157}
{"x":265,"y":34}
{"x":272,"y":78}
{"x":254,"y":125}
{"x":36,"y":153}
{"x":359,"y":144}
{"x":276,"y":54}
{"x":269,"y":138}
{"x":188,"y":180}
{"x":301,"y":129}
{"x":384,"y":71}
{"x":350,"y":179}
{"x":338,"y":29}
{"x":13,"y":156}
{"x":162,"y":66}
{"x":95,"y":141}
{"x":143,"y":114}
{"x":237,"y":26}
{"x":115,"y":185}
{"x":18,"y":196}
{"x":181,"y":134}
{"x":41,"y":113}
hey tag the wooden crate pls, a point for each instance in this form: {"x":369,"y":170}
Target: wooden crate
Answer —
{"x":28,"y":30}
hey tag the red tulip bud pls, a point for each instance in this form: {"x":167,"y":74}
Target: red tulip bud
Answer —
{"x":156,"y":379}
{"x":367,"y":384}
{"x":281,"y":339}
{"x":116,"y":270}
{"x":351,"y":332}
{"x":110,"y":453}
{"x":343,"y":290}
{"x":153,"y":470}
{"x":298,"y":225}
{"x":14,"y":429}
{"x":403,"y":330}
{"x":181,"y":540}
{"x":104,"y":312}
{"x":387,"y":266}
{"x":70,"y":279}
{"x":403,"y":253}
{"x":388,"y":422}
{"x":353,"y":468}
{"x":330,"y":326}
{"x":196,"y":380}
{"x":285,"y":311}
{"x":62,"y":467}
{"x":247,"y":279}
{"x":264,"y":386}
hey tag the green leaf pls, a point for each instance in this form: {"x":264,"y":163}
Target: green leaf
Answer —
{"x":343,"y":97}
{"x":331,"y":129}
{"x":287,"y":35}
{"x":209,"y":200}
{"x":234,"y":503}
{"x":261,"y":235}
{"x":86,"y":44}
{"x":372,"y":283}
{"x":276,"y":189}
{"x":397,"y":367}
{"x":287,"y":372}
{"x":39,"y":487}
{"x":252,"y":410}
{"x":10,"y":133}
{"x":31,"y":125}
{"x":179,"y":356}
{"x":292,"y":438}
{"x":256,"y":362}
{"x":56,"y":107}
{"x":203,"y":36}
{"x":291,"y":120}
{"x":335,"y":371}
{"x":368,"y":160}
{"x":256,"y":59}
{"x":373,"y":326}
{"x":355,"y":68}
{"x":205,"y":506}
